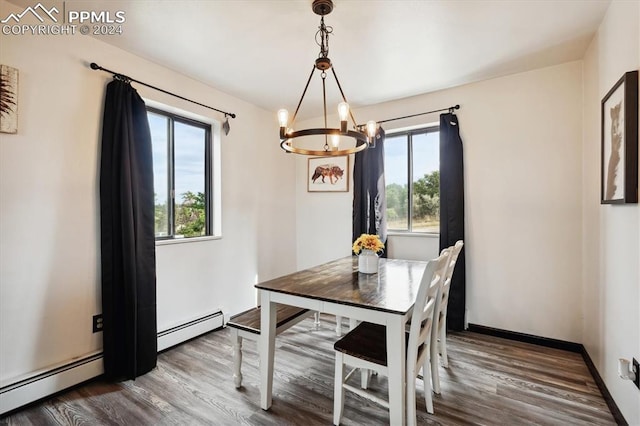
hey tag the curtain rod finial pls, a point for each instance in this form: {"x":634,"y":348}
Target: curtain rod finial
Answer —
{"x":225,"y":125}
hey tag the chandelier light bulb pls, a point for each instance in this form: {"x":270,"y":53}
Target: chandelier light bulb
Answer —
{"x":335,"y":141}
{"x":343,"y":111}
{"x":371,"y":128}
{"x":283,"y":117}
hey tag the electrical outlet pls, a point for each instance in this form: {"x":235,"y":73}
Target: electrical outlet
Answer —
{"x":636,"y":368}
{"x":97,"y":323}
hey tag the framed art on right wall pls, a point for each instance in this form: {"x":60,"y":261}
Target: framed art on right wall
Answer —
{"x":619,"y":126}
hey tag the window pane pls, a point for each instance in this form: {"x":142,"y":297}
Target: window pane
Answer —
{"x":158,"y":125}
{"x":396,"y":178}
{"x":189,"y":153}
{"x":426,"y":182}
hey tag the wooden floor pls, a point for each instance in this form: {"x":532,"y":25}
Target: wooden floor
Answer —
{"x":490,"y":381}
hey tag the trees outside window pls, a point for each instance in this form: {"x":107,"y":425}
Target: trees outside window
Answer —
{"x":182,"y":162}
{"x":412,"y":176}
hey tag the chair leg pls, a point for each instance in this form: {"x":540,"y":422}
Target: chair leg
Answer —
{"x":431,"y":362}
{"x":443,"y":345}
{"x":411,"y":397}
{"x":237,"y":357}
{"x":316,"y":321}
{"x":365,"y":375}
{"x":338,"y":390}
{"x":428,"y":400}
{"x":353,"y":323}
{"x":338,"y":326}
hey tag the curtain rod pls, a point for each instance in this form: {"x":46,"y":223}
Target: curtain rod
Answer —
{"x":450,"y":109}
{"x":95,"y":66}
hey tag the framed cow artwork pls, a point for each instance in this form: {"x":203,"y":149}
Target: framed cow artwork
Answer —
{"x":328,"y":174}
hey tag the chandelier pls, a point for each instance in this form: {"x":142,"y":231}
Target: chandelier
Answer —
{"x":332,"y":137}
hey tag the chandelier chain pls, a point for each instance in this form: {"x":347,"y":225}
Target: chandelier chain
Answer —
{"x":324,"y":32}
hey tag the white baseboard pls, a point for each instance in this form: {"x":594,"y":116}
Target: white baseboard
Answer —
{"x":184,"y":332}
{"x":41,"y":384}
{"x":49,"y":382}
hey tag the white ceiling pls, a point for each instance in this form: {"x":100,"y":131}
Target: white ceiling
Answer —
{"x":262,"y":51}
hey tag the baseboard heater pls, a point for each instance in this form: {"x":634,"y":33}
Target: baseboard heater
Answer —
{"x":42,"y":384}
{"x":184,"y":332}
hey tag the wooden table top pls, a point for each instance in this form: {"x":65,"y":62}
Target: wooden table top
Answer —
{"x":392,"y":289}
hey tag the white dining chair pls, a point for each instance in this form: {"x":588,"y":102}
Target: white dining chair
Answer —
{"x":439,"y":333}
{"x":365,"y":346}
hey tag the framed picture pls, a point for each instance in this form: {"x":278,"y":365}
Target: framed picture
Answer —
{"x":328,"y":174}
{"x":8,"y":99}
{"x":619,"y":125}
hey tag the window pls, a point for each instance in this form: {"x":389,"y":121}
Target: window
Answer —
{"x":182,"y":167}
{"x":412,"y":176}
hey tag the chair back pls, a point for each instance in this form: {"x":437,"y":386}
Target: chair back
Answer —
{"x":446,"y":282}
{"x":426,"y":307}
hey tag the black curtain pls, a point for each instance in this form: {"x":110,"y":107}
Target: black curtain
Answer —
{"x":369,"y":199}
{"x":127,"y":235}
{"x":452,"y":212}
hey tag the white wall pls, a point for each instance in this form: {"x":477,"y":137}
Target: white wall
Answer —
{"x":522,"y":138}
{"x":323,"y":219}
{"x":535,"y":229}
{"x":49,"y":223}
{"x":611,"y":233}
{"x":413,"y":246}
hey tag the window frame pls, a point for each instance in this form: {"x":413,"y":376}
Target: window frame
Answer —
{"x":211,"y":171}
{"x":410,"y":132}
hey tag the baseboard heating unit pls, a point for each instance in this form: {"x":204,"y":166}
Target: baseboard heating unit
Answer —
{"x":42,"y":383}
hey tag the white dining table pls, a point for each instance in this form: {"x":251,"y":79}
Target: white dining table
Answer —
{"x":386,"y":297}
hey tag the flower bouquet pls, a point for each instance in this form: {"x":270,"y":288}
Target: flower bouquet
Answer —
{"x":367,"y":247}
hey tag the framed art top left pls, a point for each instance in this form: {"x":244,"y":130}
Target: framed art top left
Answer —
{"x":8,"y":99}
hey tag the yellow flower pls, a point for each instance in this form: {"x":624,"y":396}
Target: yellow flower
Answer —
{"x":369,"y":242}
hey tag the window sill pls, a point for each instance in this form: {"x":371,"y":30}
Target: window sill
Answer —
{"x":413,"y":234}
{"x":187,"y":240}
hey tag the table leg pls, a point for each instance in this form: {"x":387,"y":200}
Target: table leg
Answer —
{"x":396,"y":362}
{"x":267,"y":347}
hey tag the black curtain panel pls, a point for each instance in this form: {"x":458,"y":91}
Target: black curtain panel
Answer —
{"x":369,"y":199}
{"x":452,"y":212}
{"x":127,"y":235}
